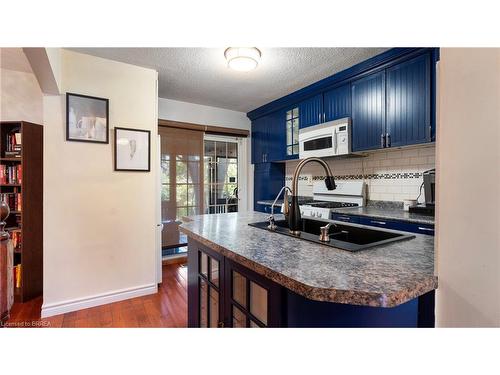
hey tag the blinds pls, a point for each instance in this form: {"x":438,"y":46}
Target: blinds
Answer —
{"x":181,"y":178}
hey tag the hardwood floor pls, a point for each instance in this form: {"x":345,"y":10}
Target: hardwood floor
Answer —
{"x":167,"y":308}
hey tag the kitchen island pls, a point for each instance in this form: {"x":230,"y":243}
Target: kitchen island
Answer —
{"x":244,"y":276}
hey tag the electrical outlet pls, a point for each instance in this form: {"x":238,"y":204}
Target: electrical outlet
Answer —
{"x":309,"y":180}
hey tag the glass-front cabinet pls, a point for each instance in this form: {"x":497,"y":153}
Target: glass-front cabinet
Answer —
{"x":292,"y":131}
{"x":222,"y":293}
{"x":209,"y":291}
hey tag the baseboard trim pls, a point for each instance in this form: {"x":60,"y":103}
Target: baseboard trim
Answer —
{"x":97,"y":300}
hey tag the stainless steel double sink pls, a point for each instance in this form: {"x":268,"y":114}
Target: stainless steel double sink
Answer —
{"x":342,"y":236}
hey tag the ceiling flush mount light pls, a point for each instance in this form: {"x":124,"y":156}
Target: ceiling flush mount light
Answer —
{"x":242,"y":59}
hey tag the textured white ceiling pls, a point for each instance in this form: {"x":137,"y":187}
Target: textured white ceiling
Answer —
{"x":200,"y":75}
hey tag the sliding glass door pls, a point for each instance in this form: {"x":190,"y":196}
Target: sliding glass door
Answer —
{"x":181,"y":180}
{"x":220,"y":175}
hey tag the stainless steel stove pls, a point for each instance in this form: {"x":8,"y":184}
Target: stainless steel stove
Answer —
{"x":347,"y":194}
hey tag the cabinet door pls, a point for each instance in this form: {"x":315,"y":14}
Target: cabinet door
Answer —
{"x":292,"y":125}
{"x":269,"y":178}
{"x":258,"y":140}
{"x":276,"y":144}
{"x":311,"y":111}
{"x":205,"y":287}
{"x":368,"y":112}
{"x":337,"y":103}
{"x":408,"y":102}
{"x":251,"y":300}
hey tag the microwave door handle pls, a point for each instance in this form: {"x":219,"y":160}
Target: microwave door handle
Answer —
{"x":335,"y":143}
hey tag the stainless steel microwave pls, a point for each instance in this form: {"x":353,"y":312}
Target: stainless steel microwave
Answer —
{"x":328,"y":139}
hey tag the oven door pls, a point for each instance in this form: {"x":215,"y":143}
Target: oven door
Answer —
{"x":313,"y":144}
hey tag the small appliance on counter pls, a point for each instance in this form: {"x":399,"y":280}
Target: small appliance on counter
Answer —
{"x":328,"y":139}
{"x":429,"y":185}
{"x":347,"y":194}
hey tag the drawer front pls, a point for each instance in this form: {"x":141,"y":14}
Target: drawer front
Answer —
{"x":423,"y":229}
{"x":263,"y":208}
{"x":375,"y":222}
{"x":345,"y":218}
{"x":398,"y":225}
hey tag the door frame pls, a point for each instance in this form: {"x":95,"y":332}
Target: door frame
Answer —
{"x":242,"y":142}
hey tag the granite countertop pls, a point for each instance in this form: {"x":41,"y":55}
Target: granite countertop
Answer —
{"x":383,"y":276}
{"x":375,"y":209}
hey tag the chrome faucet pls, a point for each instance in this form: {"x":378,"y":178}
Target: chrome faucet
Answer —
{"x":272,"y":224}
{"x":294,"y":219}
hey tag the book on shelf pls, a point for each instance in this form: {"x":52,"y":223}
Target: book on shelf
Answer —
{"x":15,"y":236}
{"x":13,"y":154}
{"x":13,"y":200}
{"x":17,"y":276}
{"x":14,"y":141}
{"x":11,"y":174}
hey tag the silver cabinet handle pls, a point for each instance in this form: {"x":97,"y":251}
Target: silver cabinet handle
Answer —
{"x":378,"y":222}
{"x":427,"y":229}
{"x":382,"y":140}
{"x":343,"y":217}
{"x":387,"y":140}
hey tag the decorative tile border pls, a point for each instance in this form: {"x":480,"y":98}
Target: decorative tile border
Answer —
{"x":372,"y":176}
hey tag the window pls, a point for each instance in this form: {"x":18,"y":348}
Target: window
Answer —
{"x":292,"y":131}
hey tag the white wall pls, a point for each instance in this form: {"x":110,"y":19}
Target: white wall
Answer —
{"x":20,"y":94}
{"x":201,"y":114}
{"x":99,"y":225}
{"x":468,"y":182}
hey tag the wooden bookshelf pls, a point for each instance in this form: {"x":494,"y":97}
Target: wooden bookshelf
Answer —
{"x":29,"y":220}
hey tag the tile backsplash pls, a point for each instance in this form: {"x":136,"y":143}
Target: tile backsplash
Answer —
{"x":390,"y":175}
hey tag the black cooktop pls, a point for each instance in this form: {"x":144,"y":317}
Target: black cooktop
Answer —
{"x":332,"y":204}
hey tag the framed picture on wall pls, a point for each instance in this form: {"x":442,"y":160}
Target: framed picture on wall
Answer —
{"x":132,"y":150}
{"x":87,"y":118}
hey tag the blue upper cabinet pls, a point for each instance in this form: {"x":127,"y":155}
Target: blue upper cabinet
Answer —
{"x":368,"y":112}
{"x":311,"y":111}
{"x":268,"y":138}
{"x":337,"y":103}
{"x":408,"y":102}
{"x":276,"y":145}
{"x":390,"y":98}
{"x":259,"y":140}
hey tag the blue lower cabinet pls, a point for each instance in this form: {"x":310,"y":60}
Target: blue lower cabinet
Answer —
{"x":265,"y":208}
{"x":404,"y":226}
{"x":268,"y":180}
{"x":345,"y":218}
{"x":305,"y":313}
{"x":223,"y":293}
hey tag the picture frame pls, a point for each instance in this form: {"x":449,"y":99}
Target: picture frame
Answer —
{"x":132,"y":150}
{"x":87,"y":118}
